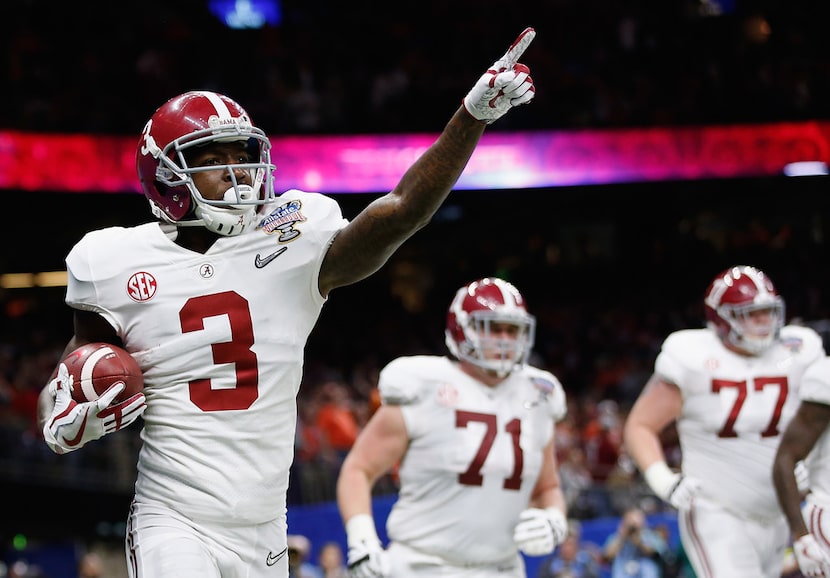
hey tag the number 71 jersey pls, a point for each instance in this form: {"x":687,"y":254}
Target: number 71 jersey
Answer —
{"x":735,"y":408}
{"x":473,"y":457}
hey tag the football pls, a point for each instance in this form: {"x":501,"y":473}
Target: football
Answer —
{"x":96,"y":366}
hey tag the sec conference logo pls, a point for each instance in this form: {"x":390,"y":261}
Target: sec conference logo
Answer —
{"x":141,"y":286}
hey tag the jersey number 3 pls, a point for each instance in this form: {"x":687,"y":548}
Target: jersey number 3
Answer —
{"x":236,"y":351}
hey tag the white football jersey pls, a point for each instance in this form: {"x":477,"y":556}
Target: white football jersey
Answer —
{"x":735,"y":408}
{"x":815,"y":387}
{"x":220,"y":338}
{"x":473,"y":458}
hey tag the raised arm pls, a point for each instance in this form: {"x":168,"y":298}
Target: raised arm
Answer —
{"x":372,"y":236}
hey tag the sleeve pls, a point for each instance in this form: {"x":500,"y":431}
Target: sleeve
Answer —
{"x":399,"y":382}
{"x":555,"y":395}
{"x":329,"y":222}
{"x":81,"y":287}
{"x":668,"y":364}
{"x":558,"y":402}
{"x":815,"y":384}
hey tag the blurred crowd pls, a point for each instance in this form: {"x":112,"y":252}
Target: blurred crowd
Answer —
{"x":360,"y":66}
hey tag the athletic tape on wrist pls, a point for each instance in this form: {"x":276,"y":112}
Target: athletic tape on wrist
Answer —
{"x":361,"y":528}
{"x":661,"y":479}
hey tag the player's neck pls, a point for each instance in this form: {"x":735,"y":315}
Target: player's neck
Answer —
{"x":739,"y":350}
{"x":488,"y":378}
{"x":197,"y":239}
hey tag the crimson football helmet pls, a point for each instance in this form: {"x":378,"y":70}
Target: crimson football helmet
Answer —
{"x":196,"y":119}
{"x":732,"y":296}
{"x":472,"y":313}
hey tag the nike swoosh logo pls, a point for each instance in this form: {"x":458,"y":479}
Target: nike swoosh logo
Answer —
{"x":77,"y":439}
{"x":261,"y":262}
{"x":274,"y":558}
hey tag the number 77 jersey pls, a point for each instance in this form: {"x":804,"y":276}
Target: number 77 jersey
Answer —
{"x":735,"y":408}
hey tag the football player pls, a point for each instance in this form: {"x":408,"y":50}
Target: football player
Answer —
{"x":808,"y":435}
{"x":473,"y":434}
{"x":215,"y":300}
{"x":731,"y":388}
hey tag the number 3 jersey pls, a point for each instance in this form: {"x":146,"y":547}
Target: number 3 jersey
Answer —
{"x":735,"y":409}
{"x":473,"y":457}
{"x":219,"y":337}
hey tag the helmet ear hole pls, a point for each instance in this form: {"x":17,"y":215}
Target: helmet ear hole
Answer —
{"x":161,"y":188}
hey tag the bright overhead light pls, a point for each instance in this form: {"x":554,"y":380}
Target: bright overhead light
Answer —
{"x":805,"y":169}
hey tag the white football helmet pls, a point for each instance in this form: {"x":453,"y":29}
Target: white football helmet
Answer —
{"x":473,"y":312}
{"x":195,"y":119}
{"x":730,"y":299}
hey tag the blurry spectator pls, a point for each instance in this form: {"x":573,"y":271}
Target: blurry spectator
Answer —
{"x":635,"y":550}
{"x":572,"y":558}
{"x":335,"y":418}
{"x":22,"y":569}
{"x":311,"y":478}
{"x":603,"y":440}
{"x":623,"y":485}
{"x":91,"y":566}
{"x":330,"y":561}
{"x":576,"y":481}
{"x":299,"y":548}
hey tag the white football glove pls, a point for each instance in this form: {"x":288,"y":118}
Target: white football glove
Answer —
{"x":505,"y":84}
{"x":676,"y":489}
{"x":812,"y":560}
{"x":366,"y":557}
{"x":539,"y":531}
{"x":72,"y":425}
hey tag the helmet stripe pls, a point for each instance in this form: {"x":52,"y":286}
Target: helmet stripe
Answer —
{"x":221,"y":108}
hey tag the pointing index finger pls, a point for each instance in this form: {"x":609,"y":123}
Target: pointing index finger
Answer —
{"x":511,"y":57}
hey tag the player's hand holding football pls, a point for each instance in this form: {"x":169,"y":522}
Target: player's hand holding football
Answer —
{"x":366,"y":557}
{"x":539,"y":531}
{"x":812,"y":560}
{"x":506,"y":84}
{"x":72,"y":425}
